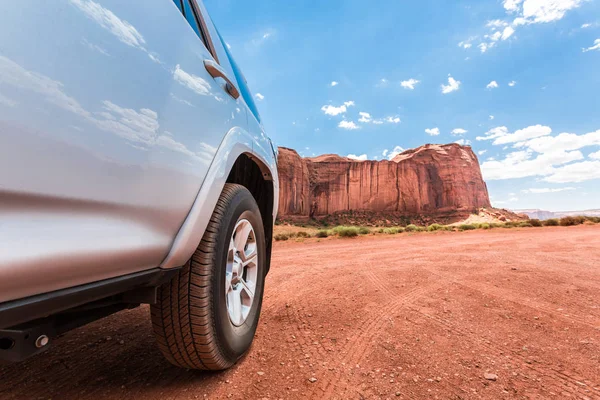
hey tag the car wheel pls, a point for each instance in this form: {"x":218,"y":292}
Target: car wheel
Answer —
{"x":206,"y":317}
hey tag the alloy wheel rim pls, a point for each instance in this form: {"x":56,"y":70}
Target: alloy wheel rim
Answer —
{"x":241,"y":272}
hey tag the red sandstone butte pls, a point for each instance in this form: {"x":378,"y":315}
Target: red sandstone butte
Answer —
{"x":427,"y":180}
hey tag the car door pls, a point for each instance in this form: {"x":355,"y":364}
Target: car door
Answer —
{"x":109,"y":121}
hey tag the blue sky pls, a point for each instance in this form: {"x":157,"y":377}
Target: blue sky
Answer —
{"x":517,"y":79}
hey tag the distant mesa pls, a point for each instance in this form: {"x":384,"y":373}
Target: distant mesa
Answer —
{"x":544,"y":215}
{"x":429,"y":180}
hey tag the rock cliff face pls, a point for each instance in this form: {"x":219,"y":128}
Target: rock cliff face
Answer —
{"x":426,"y":180}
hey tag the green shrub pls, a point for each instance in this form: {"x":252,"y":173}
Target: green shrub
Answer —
{"x":392,"y":231}
{"x":535,"y":222}
{"x":524,"y":224}
{"x":381,"y":230}
{"x":411,"y":228}
{"x":484,"y":226}
{"x":302,"y":234}
{"x":435,"y":227}
{"x":281,"y":236}
{"x":322,"y":234}
{"x":347,"y":232}
{"x":552,"y":222}
{"x":595,"y":220}
{"x":467,"y":227}
{"x":363,"y":230}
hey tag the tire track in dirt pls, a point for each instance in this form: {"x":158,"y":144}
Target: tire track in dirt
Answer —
{"x":523,"y":301}
{"x":571,"y":385}
{"x":358,"y":344}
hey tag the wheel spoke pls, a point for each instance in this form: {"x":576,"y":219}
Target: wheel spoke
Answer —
{"x":235,"y":307}
{"x":241,"y":237}
{"x":251,"y":260}
{"x":248,"y":287}
{"x":228,"y":286}
{"x":241,"y":272}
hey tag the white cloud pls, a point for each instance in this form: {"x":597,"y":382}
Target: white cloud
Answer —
{"x":395,"y":151}
{"x":463,"y":142}
{"x":544,"y":11}
{"x":452,"y":85}
{"x":392,"y":120}
{"x":512,"y":5}
{"x":507,"y":32}
{"x":259,"y":97}
{"x":595,"y":156}
{"x":563,"y":141}
{"x":510,"y":200}
{"x":578,"y":172}
{"x":385,"y":152}
{"x":263,"y":37}
{"x":512,"y":83}
{"x":192,"y":82}
{"x":334,"y":83}
{"x":496,"y":23}
{"x":459,"y":131}
{"x":520,"y":164}
{"x":525,"y":12}
{"x":122,"y":29}
{"x":548,"y":190}
{"x":585,"y":26}
{"x":382,"y":83}
{"x":596,"y":46}
{"x":483,"y":47}
{"x":409,"y":84}
{"x":13,"y":74}
{"x":492,"y":85}
{"x":501,"y":135}
{"x":349,"y":125}
{"x":433,"y":131}
{"x":465,"y":45}
{"x":492,"y":117}
{"x":362,"y":157}
{"x":540,"y":154}
{"x":94,"y":47}
{"x":364,"y":117}
{"x":333,"y":111}
{"x":481,"y":152}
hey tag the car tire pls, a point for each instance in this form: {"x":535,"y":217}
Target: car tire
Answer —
{"x":198,"y":321}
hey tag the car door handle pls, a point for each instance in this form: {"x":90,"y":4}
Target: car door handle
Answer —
{"x":216,"y":71}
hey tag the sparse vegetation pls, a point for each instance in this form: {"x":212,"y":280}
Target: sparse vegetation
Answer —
{"x":535,"y":222}
{"x":322,"y":234}
{"x":411,"y":228}
{"x":393,"y":231}
{"x":571,"y":221}
{"x":346,"y":231}
{"x":435,"y":227}
{"x":363,"y":230}
{"x":552,"y":222}
{"x":281,"y":236}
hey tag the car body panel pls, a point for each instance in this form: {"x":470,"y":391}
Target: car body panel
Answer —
{"x":109,"y":125}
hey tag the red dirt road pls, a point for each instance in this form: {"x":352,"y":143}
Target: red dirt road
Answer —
{"x":421,"y":316}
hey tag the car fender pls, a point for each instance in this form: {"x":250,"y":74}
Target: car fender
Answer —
{"x":236,"y":142}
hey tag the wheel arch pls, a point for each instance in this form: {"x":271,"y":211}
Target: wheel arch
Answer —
{"x":255,"y":176}
{"x":233,"y":159}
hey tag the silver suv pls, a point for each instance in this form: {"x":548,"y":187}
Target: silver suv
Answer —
{"x":134,"y":169}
